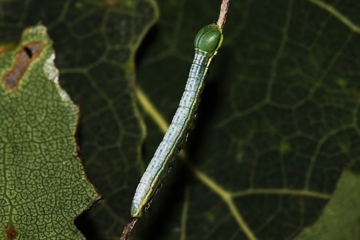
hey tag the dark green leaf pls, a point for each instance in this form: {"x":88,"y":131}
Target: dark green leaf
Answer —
{"x":277,"y":123}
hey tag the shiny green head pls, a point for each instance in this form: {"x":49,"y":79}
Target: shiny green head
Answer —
{"x":209,"y":38}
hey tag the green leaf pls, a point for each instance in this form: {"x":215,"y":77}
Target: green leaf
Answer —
{"x":43,"y":186}
{"x":340,"y":219}
{"x":277,"y":122}
{"x":95,"y":42}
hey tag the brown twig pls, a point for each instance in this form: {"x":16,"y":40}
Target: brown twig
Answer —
{"x":223,"y":12}
{"x":127,"y":229}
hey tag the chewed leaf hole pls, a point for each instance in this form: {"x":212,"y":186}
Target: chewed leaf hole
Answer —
{"x":28,"y":52}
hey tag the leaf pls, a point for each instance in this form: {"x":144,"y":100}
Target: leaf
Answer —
{"x":42,"y":183}
{"x":95,"y":42}
{"x":340,"y":219}
{"x":277,"y":123}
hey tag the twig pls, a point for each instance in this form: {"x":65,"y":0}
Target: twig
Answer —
{"x":127,"y":229}
{"x":223,"y":12}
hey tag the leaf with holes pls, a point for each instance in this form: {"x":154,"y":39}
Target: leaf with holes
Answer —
{"x":43,"y":186}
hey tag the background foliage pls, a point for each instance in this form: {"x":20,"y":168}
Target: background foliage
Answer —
{"x":277,"y":125}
